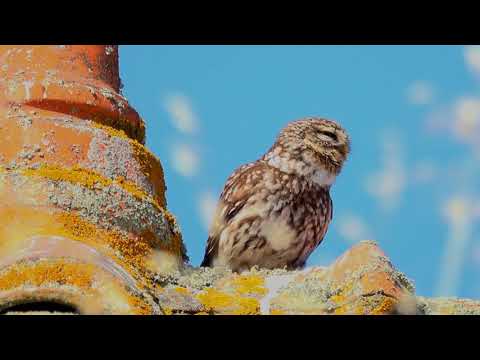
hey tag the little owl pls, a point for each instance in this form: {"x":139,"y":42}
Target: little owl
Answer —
{"x":275,"y":211}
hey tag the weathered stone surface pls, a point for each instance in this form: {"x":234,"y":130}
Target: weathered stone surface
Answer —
{"x":362,"y":281}
{"x":83,"y":217}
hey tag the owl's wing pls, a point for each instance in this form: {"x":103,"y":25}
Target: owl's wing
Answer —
{"x":240,"y":186}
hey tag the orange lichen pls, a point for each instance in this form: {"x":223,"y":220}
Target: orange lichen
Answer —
{"x":140,"y":307}
{"x":171,"y":247}
{"x":175,"y":244}
{"x":386,"y":306}
{"x":133,"y":249}
{"x":277,"y":312}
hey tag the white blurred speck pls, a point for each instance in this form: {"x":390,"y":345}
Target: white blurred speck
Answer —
{"x":185,"y":160}
{"x":466,"y":124}
{"x":472,"y":58}
{"x":388,"y":183}
{"x":181,"y":113}
{"x":457,"y":212}
{"x":420,"y":93}
{"x":207,"y":203}
{"x":353,"y":228}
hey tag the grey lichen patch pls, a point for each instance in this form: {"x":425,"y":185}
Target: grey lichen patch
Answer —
{"x":450,"y":306}
{"x":113,"y":157}
{"x":30,"y":151}
{"x":381,"y":265}
{"x":115,"y":99}
{"x":25,"y":121}
{"x":193,"y":278}
{"x":110,"y":207}
{"x":266,"y":273}
{"x":178,"y":300}
{"x":405,"y":281}
{"x":109,"y":155}
{"x":307,"y":295}
{"x":130,"y":214}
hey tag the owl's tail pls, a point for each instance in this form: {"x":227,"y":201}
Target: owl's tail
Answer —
{"x":210,"y":252}
{"x":205,"y":262}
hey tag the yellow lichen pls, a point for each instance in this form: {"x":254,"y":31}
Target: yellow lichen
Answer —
{"x":132,"y":248}
{"x":221,"y":302}
{"x":175,"y":244}
{"x":214,"y":299}
{"x":89,"y":179}
{"x":118,"y":125}
{"x":134,"y":190}
{"x":340,"y":310}
{"x":182,"y":290}
{"x":76,"y":175}
{"x":277,"y":312}
{"x":45,"y":272}
{"x":167,"y":311}
{"x":148,"y":162}
{"x":338,"y":298}
{"x":249,"y":284}
{"x":359,"y":310}
{"x":344,"y":294}
{"x":25,"y":222}
{"x":247,"y":306}
{"x":110,"y":130}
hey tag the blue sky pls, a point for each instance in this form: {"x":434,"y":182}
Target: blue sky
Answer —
{"x":413,"y":114}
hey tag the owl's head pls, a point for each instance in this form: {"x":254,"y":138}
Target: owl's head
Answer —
{"x":311,"y":143}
